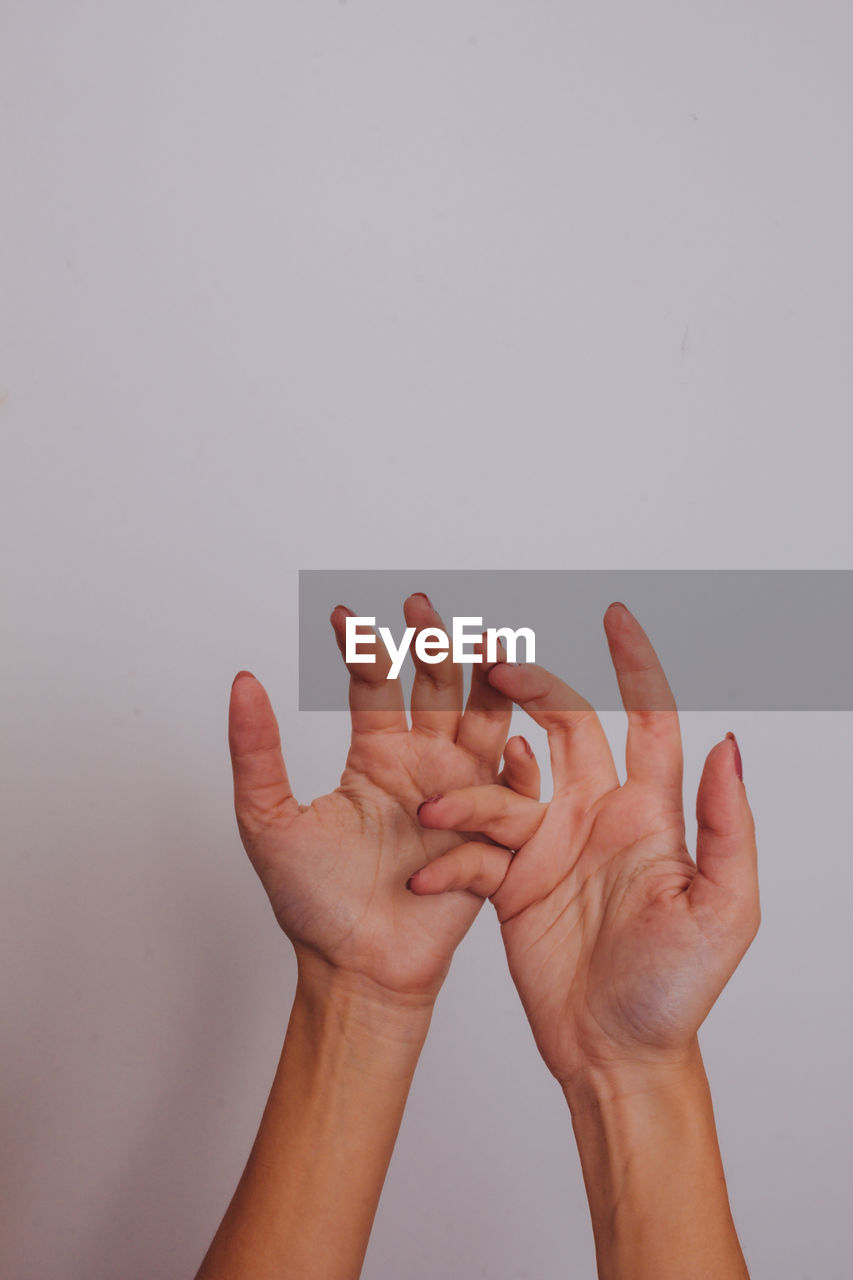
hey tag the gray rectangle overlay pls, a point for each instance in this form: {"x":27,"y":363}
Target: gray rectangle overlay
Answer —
{"x":728,"y":640}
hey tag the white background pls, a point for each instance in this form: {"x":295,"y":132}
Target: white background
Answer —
{"x":384,"y":285}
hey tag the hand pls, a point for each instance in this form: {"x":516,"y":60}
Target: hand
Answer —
{"x":335,"y":869}
{"x":617,"y":941}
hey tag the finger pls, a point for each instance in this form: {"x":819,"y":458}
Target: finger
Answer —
{"x":376,"y":703}
{"x":261,"y":786}
{"x":492,"y":811}
{"x":580,"y":753}
{"x":726,"y":854}
{"x":653,"y":749}
{"x":521,"y":771}
{"x":488,"y":712}
{"x":479,"y":868}
{"x":437,"y":687}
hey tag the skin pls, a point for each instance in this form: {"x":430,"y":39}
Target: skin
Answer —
{"x":371,"y":957}
{"x":619,"y":942}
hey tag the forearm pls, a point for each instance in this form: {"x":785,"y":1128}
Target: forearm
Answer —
{"x":654,"y":1176}
{"x":305,"y":1203}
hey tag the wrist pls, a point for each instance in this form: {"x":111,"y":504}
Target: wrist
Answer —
{"x":643,"y":1081}
{"x":653,"y":1173}
{"x":374,"y":1020}
{"x":621,"y":1115}
{"x":305,"y":1203}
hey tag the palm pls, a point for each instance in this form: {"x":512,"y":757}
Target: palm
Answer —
{"x":334,"y":870}
{"x":606,"y":959}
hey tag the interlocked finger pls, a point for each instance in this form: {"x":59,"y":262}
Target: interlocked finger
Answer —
{"x":493,"y":811}
{"x":479,"y":868}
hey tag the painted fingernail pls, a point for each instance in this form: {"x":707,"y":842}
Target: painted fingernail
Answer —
{"x":423,"y":595}
{"x":738,"y":761}
{"x":429,"y":800}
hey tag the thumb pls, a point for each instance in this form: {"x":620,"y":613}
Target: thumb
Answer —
{"x":261,"y":786}
{"x":726,"y":855}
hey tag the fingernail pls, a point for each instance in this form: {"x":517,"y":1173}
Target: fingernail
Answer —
{"x":738,"y":761}
{"x":429,"y":800}
{"x":409,"y":882}
{"x":527,"y":746}
{"x":423,"y":595}
{"x":335,"y":610}
{"x":238,"y":675}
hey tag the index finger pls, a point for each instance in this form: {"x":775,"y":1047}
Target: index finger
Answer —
{"x":580,"y":752}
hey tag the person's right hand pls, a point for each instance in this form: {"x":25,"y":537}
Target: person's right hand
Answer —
{"x":335,"y":869}
{"x":618,"y":942}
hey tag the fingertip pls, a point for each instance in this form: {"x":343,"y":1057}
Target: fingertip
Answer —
{"x":521,"y":769}
{"x":721,"y":800}
{"x":617,"y":615}
{"x":418,"y":610}
{"x":248,"y":699}
{"x":737,"y":762}
{"x":519,"y":752}
{"x":502,"y":673}
{"x":724,"y":760}
{"x":426,"y":809}
{"x":521,"y":682}
{"x":420,"y":595}
{"x":489,"y":665}
{"x":418,"y":883}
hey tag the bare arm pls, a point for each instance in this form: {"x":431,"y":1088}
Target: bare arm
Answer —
{"x":654,"y":1176}
{"x":305,"y":1204}
{"x":371,"y":957}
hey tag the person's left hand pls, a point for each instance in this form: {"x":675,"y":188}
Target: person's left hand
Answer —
{"x":617,"y":940}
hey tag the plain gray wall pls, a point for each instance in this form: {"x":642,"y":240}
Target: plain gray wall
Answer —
{"x":471,"y":283}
